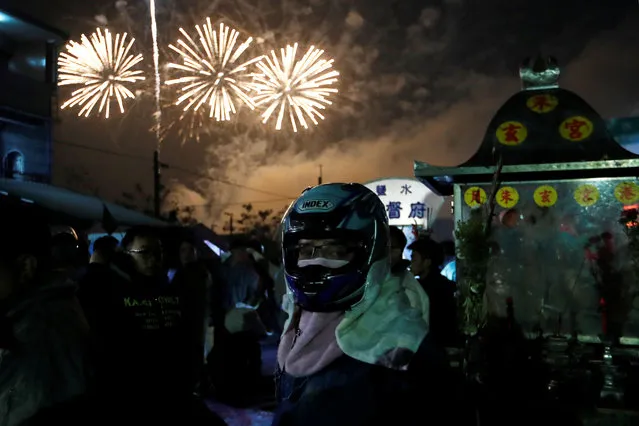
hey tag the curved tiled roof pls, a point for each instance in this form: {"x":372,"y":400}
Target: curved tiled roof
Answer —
{"x":546,"y":126}
{"x":541,"y":130}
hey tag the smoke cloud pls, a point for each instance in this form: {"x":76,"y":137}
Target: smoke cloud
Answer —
{"x":424,"y":104}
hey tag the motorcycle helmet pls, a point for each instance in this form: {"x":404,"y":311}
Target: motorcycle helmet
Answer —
{"x":331,"y":236}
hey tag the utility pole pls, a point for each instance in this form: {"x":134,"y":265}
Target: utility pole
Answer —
{"x":157,"y":183}
{"x":319,"y":178}
{"x":230,"y":215}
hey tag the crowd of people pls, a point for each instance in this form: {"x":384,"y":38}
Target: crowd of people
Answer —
{"x":146,"y":329}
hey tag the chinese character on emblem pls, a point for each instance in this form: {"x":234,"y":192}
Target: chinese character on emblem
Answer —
{"x":511,"y":133}
{"x":542,"y":103}
{"x":586,"y":195}
{"x":381,"y":190}
{"x":576,"y":128}
{"x":507,"y":197}
{"x":417,"y":210}
{"x":394,"y":209}
{"x":475,"y":196}
{"x":627,"y":193}
{"x":545,"y":196}
{"x":406,"y":190}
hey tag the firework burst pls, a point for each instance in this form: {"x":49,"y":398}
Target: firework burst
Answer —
{"x":292,"y":88}
{"x":102,"y":65}
{"x":212,"y":73}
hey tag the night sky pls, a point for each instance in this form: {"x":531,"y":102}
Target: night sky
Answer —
{"x":419,"y":80}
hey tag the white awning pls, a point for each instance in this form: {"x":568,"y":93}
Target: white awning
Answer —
{"x":69,"y":203}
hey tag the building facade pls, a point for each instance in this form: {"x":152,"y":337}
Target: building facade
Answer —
{"x":28,"y":80}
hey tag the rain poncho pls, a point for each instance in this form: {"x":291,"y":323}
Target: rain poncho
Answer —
{"x":48,"y":364}
{"x":388,"y":325}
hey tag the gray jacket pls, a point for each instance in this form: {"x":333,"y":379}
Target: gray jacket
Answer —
{"x":48,"y":364}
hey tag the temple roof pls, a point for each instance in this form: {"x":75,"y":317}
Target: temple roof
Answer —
{"x":541,"y":132}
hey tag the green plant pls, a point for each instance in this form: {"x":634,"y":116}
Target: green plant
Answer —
{"x":473,"y":253}
{"x":258,"y":223}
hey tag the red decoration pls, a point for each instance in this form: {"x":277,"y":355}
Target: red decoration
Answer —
{"x":604,"y":316}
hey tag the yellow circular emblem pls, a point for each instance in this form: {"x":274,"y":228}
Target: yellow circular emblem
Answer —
{"x":475,"y":196}
{"x":507,"y":197}
{"x":511,"y":133}
{"x":576,"y":128}
{"x":542,"y":103}
{"x":627,"y":193}
{"x":545,"y":196}
{"x":586,"y":195}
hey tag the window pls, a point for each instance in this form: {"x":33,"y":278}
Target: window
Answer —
{"x":14,"y":165}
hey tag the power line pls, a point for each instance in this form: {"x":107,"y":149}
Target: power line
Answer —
{"x":276,"y":200}
{"x":103,"y":151}
{"x":172,"y":167}
{"x":203,"y":176}
{"x":241,"y":203}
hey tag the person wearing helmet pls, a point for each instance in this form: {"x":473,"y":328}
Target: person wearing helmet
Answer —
{"x":353,"y":327}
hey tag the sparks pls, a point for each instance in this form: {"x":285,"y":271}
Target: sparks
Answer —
{"x":156,"y":69}
{"x":297,"y":88}
{"x":103,"y":66}
{"x":212,"y":73}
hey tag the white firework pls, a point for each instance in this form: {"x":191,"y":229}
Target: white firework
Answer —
{"x":103,"y":67}
{"x":212,"y":73}
{"x":294,"y":89}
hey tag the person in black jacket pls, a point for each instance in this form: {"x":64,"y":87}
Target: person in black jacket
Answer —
{"x":426,"y":260}
{"x":98,"y":273}
{"x":398,"y":241}
{"x":194,"y":282}
{"x":145,"y":357}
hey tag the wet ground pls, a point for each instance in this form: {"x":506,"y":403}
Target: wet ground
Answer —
{"x":261,"y":414}
{"x":241,"y":417}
